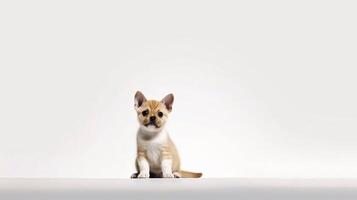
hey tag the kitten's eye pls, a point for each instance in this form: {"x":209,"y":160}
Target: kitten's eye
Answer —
{"x":145,"y":112}
{"x":160,"y":114}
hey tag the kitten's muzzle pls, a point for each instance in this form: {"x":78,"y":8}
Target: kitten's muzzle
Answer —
{"x":152,"y":119}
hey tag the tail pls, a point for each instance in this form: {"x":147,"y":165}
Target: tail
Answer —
{"x":186,"y":174}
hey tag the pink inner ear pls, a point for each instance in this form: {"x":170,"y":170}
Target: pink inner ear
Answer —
{"x":139,"y":99}
{"x":168,"y":100}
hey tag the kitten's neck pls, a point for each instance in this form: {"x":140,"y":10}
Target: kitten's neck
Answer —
{"x":150,"y":135}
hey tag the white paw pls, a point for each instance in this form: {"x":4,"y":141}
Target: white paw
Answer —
{"x":168,"y":175}
{"x":135,"y":175}
{"x":144,"y":175}
{"x":177,"y":175}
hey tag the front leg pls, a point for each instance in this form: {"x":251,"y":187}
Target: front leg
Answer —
{"x":166,"y":168}
{"x":144,"y":167}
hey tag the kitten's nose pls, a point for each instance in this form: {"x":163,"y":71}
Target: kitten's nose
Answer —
{"x":152,"y":119}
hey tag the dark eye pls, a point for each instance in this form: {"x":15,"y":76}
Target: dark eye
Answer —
{"x":145,"y":112}
{"x":160,"y":114}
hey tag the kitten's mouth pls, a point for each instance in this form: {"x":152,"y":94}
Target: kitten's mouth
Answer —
{"x":152,"y":124}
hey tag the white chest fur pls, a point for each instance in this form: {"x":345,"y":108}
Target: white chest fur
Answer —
{"x":153,"y":148}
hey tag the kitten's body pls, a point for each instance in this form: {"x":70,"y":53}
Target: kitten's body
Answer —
{"x":157,"y":148}
{"x":157,"y":155}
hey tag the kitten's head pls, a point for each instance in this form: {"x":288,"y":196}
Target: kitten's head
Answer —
{"x":153,"y":114}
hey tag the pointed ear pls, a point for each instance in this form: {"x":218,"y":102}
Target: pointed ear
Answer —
{"x":139,"y":99}
{"x":168,"y":100}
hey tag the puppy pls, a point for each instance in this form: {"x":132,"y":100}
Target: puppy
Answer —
{"x":157,"y":156}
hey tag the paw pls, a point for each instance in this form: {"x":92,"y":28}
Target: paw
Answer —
{"x":144,"y":175}
{"x":177,"y":175}
{"x":135,"y":175}
{"x":168,"y":175}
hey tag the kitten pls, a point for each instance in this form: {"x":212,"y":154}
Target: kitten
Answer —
{"x":157,"y":156}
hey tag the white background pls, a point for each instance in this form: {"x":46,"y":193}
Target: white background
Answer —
{"x":263,"y":89}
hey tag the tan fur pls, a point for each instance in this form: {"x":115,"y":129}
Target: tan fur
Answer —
{"x":187,"y":174}
{"x":156,"y":138}
{"x":153,"y":107}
